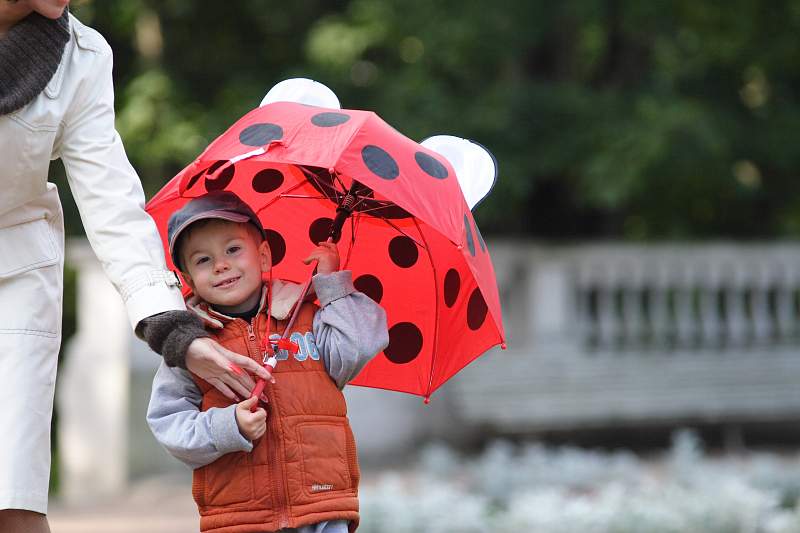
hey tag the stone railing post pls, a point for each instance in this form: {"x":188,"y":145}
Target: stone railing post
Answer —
{"x":93,"y":387}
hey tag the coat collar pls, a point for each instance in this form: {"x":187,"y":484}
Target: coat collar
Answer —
{"x":284,"y":297}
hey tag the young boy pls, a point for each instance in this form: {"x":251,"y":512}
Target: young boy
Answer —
{"x":291,"y":463}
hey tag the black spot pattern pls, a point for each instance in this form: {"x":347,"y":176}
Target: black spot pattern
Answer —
{"x":379,"y":162}
{"x":430,"y":165}
{"x":452,"y":284}
{"x":405,"y":343}
{"x":215,"y":166}
{"x":480,"y":238}
{"x":319,"y":230}
{"x":369,"y":285}
{"x":260,"y":134}
{"x":277,"y":245}
{"x":267,"y":180}
{"x":194,"y":179}
{"x":329,"y":119}
{"x":403,"y":251}
{"x":476,"y":310}
{"x":222,"y":180}
{"x":470,"y":239}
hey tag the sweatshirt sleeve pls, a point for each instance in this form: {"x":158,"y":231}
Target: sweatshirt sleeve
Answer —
{"x":349,"y":328}
{"x":195,"y":437}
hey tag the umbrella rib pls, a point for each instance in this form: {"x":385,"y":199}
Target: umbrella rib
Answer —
{"x":436,"y":313}
{"x":278,"y":197}
{"x":425,"y":246}
{"x":373,"y":209}
{"x":313,"y":176}
{"x":336,"y":175}
{"x":303,"y":196}
{"x":352,"y":240}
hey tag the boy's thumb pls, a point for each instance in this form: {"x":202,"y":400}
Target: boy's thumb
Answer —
{"x":249,"y":402}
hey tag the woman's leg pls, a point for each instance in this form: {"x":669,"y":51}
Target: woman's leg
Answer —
{"x":20,"y":521}
{"x":31,"y":279}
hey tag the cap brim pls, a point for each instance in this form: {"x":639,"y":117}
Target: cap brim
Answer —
{"x":218,"y":214}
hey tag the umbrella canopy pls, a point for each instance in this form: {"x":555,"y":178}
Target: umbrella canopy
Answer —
{"x":411,"y":241}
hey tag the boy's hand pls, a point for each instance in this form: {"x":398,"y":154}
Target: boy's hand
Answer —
{"x":327,"y":256}
{"x":251,"y":425}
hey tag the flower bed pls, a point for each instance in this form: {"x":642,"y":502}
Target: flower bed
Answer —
{"x":532,"y":488}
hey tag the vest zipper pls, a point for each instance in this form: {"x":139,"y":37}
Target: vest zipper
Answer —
{"x":251,"y":332}
{"x":278,"y":483}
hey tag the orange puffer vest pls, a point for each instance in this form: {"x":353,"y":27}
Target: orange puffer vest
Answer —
{"x":304,"y":470}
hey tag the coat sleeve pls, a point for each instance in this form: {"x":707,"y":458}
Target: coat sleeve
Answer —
{"x":195,"y":437}
{"x":349,"y":328}
{"x":109,"y":195}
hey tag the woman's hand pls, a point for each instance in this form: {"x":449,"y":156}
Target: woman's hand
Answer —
{"x":251,"y":425}
{"x":226,"y":370}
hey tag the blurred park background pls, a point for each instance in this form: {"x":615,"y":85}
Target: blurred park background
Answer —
{"x":644,"y":229}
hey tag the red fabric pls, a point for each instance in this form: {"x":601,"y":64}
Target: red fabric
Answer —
{"x":430,"y":271}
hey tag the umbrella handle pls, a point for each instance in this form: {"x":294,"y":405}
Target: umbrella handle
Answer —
{"x":343,"y":211}
{"x":261,"y":383}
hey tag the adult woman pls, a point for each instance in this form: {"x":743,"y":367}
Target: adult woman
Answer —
{"x":56,"y":100}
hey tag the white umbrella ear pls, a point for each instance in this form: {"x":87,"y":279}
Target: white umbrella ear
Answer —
{"x":302,"y":91}
{"x":475,"y":166}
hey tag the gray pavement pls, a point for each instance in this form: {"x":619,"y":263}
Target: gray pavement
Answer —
{"x":155,"y":505}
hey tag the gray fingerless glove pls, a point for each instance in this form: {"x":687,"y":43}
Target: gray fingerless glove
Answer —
{"x":170,"y":334}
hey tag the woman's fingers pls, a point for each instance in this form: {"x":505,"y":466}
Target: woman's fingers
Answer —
{"x":224,"y":389}
{"x":246,"y":364}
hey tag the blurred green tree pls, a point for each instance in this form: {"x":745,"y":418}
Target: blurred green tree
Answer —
{"x":609,"y":118}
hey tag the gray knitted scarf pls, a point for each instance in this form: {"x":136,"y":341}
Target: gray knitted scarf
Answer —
{"x":29,"y":56}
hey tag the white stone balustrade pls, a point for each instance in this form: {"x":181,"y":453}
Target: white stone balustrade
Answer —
{"x":599,"y":335}
{"x":640,"y":334}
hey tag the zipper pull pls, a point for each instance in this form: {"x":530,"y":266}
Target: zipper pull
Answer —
{"x":250,"y":332}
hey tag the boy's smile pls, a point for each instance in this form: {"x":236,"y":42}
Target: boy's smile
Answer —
{"x":224,"y":261}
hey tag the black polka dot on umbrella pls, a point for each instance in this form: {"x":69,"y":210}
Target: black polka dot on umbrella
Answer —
{"x":403,"y":251}
{"x":430,"y":165}
{"x":260,"y":134}
{"x":405,"y":343}
{"x":452,"y":284}
{"x":369,"y":285}
{"x":267,"y":180}
{"x":221,"y":180}
{"x":476,"y":310}
{"x":329,"y":119}
{"x":480,"y":238}
{"x":277,"y":245}
{"x":193,"y":180}
{"x":379,"y":162}
{"x":470,"y":239}
{"x":215,"y":166}
{"x":319,"y":230}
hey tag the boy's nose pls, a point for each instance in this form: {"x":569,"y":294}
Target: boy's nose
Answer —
{"x":221,"y":266}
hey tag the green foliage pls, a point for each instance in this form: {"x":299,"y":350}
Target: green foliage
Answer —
{"x":609,"y":118}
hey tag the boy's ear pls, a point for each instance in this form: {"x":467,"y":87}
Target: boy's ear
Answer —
{"x":265,"y":255}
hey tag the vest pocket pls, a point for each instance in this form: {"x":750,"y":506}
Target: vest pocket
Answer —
{"x":226,"y":481}
{"x":326,"y":465}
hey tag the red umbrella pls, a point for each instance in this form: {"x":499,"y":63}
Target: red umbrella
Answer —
{"x":411,"y":241}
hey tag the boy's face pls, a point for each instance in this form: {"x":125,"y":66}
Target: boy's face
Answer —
{"x":223,"y":262}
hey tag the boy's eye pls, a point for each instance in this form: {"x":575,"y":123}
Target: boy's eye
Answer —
{"x":234,"y":249}
{"x":201,"y":260}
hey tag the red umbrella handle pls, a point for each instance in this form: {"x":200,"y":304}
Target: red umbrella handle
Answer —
{"x":344,"y":210}
{"x":261,"y":383}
